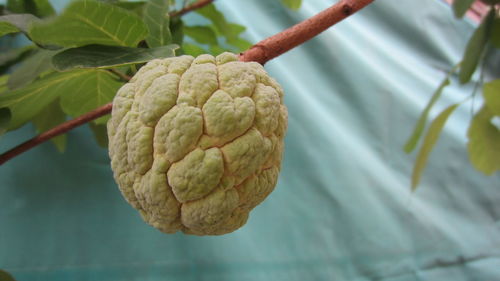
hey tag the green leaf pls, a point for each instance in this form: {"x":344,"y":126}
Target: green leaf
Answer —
{"x":16,"y":6}
{"x":4,"y":276}
{"x":136,"y":7}
{"x":412,"y":142}
{"x":94,"y":88}
{"x":475,"y":48}
{"x":7,"y":28}
{"x":233,"y":30}
{"x":176,"y":28}
{"x":235,"y":40}
{"x":44,"y":8}
{"x":49,"y":117}
{"x":217,"y":50}
{"x":236,"y":29}
{"x":91,"y":22}
{"x":217,"y":18}
{"x":419,"y":128}
{"x":3,"y":83}
{"x":460,"y":7}
{"x":25,"y":103}
{"x":39,"y":8}
{"x":99,"y":56}
{"x":13,"y":56}
{"x":100,"y":133}
{"x":157,"y":19}
{"x":230,"y":31}
{"x":201,"y":34}
{"x":491,"y":93}
{"x":193,"y":50}
{"x":5,"y":117}
{"x":484,"y":142}
{"x":429,"y":141}
{"x":22,"y":21}
{"x":240,"y":44}
{"x":31,"y":69}
{"x":495,"y":33}
{"x":292,"y":4}
{"x":102,"y":120}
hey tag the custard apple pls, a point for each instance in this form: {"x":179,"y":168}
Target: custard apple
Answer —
{"x":196,"y":143}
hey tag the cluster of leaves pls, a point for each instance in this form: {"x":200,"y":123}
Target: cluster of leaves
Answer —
{"x":483,"y":135}
{"x":78,"y":59}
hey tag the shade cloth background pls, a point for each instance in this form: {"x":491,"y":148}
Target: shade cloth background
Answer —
{"x":342,"y":209}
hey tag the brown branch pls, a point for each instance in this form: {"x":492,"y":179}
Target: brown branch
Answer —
{"x":58,"y":130}
{"x":290,"y":38}
{"x":261,"y":52}
{"x":197,"y":5}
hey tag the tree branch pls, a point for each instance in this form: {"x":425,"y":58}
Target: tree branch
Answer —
{"x":261,"y":52}
{"x":58,"y":130}
{"x":197,"y":5}
{"x":290,"y":38}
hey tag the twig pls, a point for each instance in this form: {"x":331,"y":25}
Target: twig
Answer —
{"x":58,"y":130}
{"x":123,"y":76}
{"x":197,"y":5}
{"x":262,"y":52}
{"x":290,"y":38}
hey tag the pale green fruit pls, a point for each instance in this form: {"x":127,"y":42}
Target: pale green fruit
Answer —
{"x":196,"y":143}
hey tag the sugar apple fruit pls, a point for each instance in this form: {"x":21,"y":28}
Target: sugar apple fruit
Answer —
{"x":196,"y":143}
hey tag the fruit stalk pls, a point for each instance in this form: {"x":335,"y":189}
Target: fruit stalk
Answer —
{"x":261,"y":52}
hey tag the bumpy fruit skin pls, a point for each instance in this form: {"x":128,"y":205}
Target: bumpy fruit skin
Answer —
{"x":196,"y":143}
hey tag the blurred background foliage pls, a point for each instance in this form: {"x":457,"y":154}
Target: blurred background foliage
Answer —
{"x":483,"y":134}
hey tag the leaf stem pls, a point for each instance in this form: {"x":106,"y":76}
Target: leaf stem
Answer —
{"x":262,"y":52}
{"x":122,"y":76}
{"x":480,"y":82}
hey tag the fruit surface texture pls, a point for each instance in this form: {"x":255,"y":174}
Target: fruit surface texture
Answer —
{"x":196,"y":143}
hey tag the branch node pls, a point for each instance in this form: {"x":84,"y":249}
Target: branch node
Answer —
{"x":347,"y":9}
{"x":257,"y":53}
